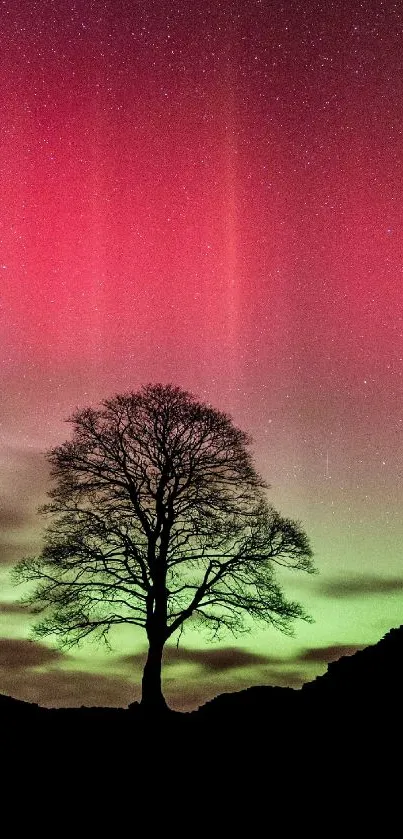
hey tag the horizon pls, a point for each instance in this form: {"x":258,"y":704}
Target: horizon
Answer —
{"x":334,"y":658}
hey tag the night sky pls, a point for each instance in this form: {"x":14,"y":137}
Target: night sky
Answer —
{"x":209,"y":194}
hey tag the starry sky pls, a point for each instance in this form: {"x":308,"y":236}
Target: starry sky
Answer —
{"x":209,"y":194}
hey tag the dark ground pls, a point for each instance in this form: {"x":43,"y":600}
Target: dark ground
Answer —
{"x":334,"y":746}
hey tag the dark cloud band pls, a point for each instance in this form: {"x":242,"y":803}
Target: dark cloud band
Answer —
{"x":361,"y":586}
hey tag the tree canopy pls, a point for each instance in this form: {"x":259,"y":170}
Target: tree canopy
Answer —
{"x":158,"y":517}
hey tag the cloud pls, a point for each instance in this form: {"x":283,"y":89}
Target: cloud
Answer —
{"x":209,"y":661}
{"x":285,"y":678}
{"x":20,"y":654}
{"x":24,"y":483}
{"x":11,"y":517}
{"x":8,"y":608}
{"x":34,"y":672}
{"x":68,"y":688}
{"x":25,"y":478}
{"x":363,"y":585}
{"x":12,"y":552}
{"x":322,"y":655}
{"x":218,"y":660}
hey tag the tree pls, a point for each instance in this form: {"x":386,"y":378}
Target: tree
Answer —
{"x":158,"y":517}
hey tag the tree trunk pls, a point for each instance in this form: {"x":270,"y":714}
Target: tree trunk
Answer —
{"x":152,"y":698}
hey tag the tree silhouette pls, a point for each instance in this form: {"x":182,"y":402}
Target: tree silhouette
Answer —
{"x":158,"y":517}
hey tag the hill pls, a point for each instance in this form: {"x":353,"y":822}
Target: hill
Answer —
{"x":358,"y":695}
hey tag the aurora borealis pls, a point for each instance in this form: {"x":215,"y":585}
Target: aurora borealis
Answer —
{"x":209,"y":194}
